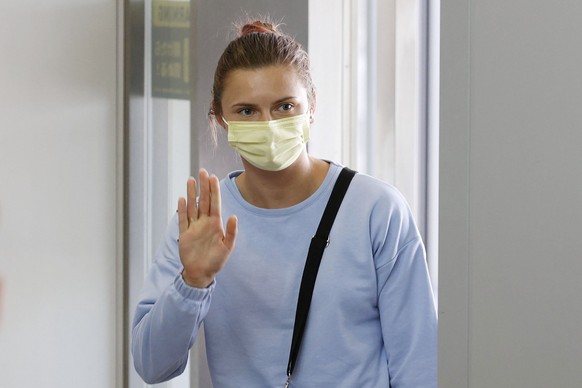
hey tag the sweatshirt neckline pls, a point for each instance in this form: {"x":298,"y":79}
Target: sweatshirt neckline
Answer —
{"x":325,"y":186}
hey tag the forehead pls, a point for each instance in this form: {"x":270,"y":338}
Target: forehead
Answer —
{"x":265,"y":83}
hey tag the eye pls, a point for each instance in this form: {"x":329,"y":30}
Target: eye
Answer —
{"x":286,"y":107}
{"x":245,"y":112}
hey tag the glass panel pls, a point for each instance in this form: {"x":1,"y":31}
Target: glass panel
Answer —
{"x":173,"y":47}
{"x":158,"y":146}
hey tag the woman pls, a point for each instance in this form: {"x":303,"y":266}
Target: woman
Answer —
{"x":372,"y":321}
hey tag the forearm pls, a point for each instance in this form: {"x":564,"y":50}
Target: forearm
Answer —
{"x":165,"y":328}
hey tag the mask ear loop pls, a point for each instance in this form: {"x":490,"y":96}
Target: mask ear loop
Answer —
{"x":307,"y":127}
{"x":212,"y":113}
{"x":224,"y":121}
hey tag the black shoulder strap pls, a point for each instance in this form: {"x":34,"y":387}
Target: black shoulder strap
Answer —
{"x":318,"y":244}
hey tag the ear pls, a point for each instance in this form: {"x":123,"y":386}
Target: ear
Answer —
{"x":220,"y":121}
{"x":312,"y":107}
{"x":311,"y":114}
{"x":216,"y":118}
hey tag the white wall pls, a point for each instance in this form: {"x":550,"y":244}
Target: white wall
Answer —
{"x":59,"y":193}
{"x":511,"y":190}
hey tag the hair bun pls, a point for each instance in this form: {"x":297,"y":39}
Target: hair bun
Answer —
{"x":258,"y":26}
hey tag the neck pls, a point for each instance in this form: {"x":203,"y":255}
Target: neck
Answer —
{"x":281,"y":189}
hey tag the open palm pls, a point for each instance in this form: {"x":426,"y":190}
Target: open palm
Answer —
{"x":204,"y":244}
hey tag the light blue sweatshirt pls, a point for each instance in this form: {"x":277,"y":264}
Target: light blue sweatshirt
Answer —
{"x":372,"y":321}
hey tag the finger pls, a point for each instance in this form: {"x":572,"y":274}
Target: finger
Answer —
{"x":191,"y":195}
{"x":204,"y":199}
{"x":214,"y":196}
{"x":231,"y":231}
{"x":182,"y":216}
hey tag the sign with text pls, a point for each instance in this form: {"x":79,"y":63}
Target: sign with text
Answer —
{"x":171,"y":49}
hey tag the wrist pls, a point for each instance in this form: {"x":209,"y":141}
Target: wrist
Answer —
{"x":196,"y":281}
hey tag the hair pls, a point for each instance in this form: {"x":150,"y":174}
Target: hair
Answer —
{"x":260,"y":44}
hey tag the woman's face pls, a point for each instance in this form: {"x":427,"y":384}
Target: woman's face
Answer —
{"x":263,"y":94}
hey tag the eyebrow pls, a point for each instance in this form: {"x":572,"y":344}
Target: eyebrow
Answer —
{"x":240,"y":104}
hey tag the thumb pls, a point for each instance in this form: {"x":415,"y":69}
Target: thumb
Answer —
{"x":231,"y":230}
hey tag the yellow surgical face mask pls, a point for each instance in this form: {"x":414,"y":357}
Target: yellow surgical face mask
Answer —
{"x":270,"y":145}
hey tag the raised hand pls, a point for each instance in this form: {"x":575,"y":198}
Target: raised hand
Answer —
{"x":203,"y":243}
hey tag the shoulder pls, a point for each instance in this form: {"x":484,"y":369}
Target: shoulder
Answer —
{"x":382,"y":206}
{"x":367,"y":191}
{"x":374,"y":192}
{"x":375,"y":217}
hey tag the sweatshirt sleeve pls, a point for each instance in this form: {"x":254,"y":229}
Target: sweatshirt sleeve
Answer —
{"x":406,"y":302}
{"x":168,"y":315}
